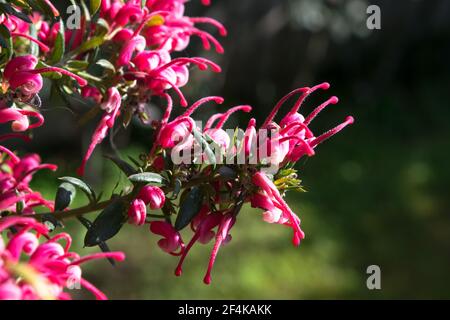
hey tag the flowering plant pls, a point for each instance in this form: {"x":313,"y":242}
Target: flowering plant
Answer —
{"x":123,"y":55}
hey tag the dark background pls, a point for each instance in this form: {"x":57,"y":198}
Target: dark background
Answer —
{"x":378,"y":193}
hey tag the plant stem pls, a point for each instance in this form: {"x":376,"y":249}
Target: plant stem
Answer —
{"x":73,"y":213}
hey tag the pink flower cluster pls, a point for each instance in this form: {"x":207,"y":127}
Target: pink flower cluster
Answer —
{"x":146,"y":38}
{"x":15,"y":172}
{"x":143,"y":46}
{"x":290,"y":140}
{"x":31,"y":269}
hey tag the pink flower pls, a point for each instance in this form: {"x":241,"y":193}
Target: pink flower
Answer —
{"x":15,"y":176}
{"x":137,"y":212}
{"x":174,"y":34}
{"x":21,"y":75}
{"x":112,"y":107}
{"x":294,"y":127}
{"x":174,"y":132}
{"x":133,"y":43}
{"x":203,"y":233}
{"x":276,"y":201}
{"x":156,"y":71}
{"x":153,"y":196}
{"x":19,"y":119}
{"x":92,"y":93}
{"x":33,"y":270}
{"x":172,"y":241}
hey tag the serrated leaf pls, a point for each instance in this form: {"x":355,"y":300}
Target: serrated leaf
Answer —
{"x":83,"y":186}
{"x":64,"y":196}
{"x":107,"y":224}
{"x":146,"y":177}
{"x":189,"y":208}
{"x":59,"y":46}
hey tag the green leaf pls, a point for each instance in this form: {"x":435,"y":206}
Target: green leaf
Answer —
{"x":89,"y":77}
{"x":94,"y":6}
{"x":8,"y":9}
{"x":106,"y":64}
{"x":42,"y":6}
{"x":34,"y":48}
{"x":51,"y":222}
{"x":77,"y":65}
{"x":90,"y":44}
{"x":83,"y":186}
{"x":6,"y":40}
{"x":107,"y":224}
{"x":146,"y":177}
{"x":122,"y":165}
{"x":189,"y":208}
{"x":64,"y":196}
{"x":59,"y":47}
{"x":101,"y":27}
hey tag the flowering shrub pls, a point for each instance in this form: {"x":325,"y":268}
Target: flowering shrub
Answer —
{"x":124,"y":55}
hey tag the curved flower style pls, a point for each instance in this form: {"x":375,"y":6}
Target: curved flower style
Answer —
{"x":15,"y":176}
{"x":21,"y":76}
{"x":33,"y":270}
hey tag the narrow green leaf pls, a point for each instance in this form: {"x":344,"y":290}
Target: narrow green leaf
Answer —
{"x":189,"y":208}
{"x":107,"y":224}
{"x":122,"y":165}
{"x":34,"y":48}
{"x":146,"y":177}
{"x":7,"y":8}
{"x":106,"y":64}
{"x":91,"y":44}
{"x":94,"y":6}
{"x":59,"y":47}
{"x":77,"y":65}
{"x":6,"y":40}
{"x":82,"y":185}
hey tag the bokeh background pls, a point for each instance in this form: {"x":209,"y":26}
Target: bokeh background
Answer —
{"x":378,"y":193}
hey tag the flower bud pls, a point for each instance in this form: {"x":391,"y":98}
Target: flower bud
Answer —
{"x":137,"y":212}
{"x":153,"y":196}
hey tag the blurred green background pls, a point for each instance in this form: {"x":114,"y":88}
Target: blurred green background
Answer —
{"x":378,"y":193}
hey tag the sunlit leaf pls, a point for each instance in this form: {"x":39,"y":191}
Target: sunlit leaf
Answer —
{"x":83,"y":186}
